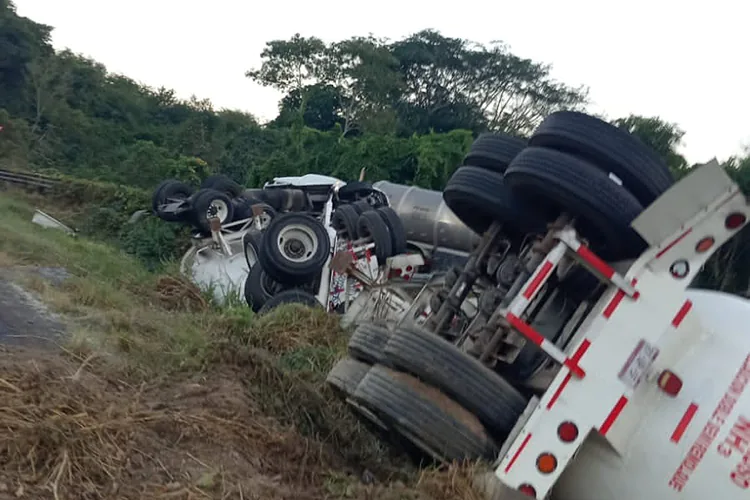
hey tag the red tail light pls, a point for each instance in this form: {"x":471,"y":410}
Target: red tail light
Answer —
{"x":735,"y":220}
{"x":546,"y":463}
{"x":670,"y":383}
{"x":705,"y":244}
{"x":567,"y":432}
{"x":528,"y":490}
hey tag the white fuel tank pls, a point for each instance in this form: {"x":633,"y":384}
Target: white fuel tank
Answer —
{"x":693,"y":446}
{"x":215,"y":272}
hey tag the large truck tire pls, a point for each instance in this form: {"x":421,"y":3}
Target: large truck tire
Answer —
{"x":433,"y":422}
{"x":495,"y":402}
{"x":344,"y":378}
{"x":480,"y":197}
{"x":368,"y":342}
{"x":371,"y":225}
{"x":557,"y":182}
{"x":610,"y":148}
{"x":291,"y":296}
{"x":211,"y":202}
{"x":396,"y":228}
{"x":295,"y":248}
{"x":223,"y":184}
{"x":251,"y":241}
{"x":346,"y":375}
{"x":494,"y":151}
{"x":260,"y":288}
{"x":361,"y":206}
{"x":167,"y":192}
{"x":344,"y":220}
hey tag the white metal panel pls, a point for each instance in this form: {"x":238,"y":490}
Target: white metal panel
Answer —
{"x":682,"y":202}
{"x":651,"y":465}
{"x":305,"y":180}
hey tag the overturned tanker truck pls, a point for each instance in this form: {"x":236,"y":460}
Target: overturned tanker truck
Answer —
{"x":221,"y":257}
{"x":590,"y":370}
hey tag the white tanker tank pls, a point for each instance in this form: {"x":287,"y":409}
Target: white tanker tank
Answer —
{"x":429,"y":223}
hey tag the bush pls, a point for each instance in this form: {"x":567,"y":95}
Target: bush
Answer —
{"x":153,"y":241}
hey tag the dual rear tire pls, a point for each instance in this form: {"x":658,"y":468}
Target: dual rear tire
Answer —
{"x":573,"y":163}
{"x":400,"y":381}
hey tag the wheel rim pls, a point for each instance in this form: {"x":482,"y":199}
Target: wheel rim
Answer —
{"x":297,"y":243}
{"x":251,"y":254}
{"x":218,"y":208}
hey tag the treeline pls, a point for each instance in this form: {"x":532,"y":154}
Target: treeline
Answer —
{"x":405,"y":110}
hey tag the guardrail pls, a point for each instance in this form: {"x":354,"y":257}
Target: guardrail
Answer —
{"x":27,"y":179}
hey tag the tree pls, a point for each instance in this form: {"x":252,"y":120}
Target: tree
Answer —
{"x":477,"y":86}
{"x":323,"y":107}
{"x":290,"y":64}
{"x":663,"y":137}
{"x":426,"y":82}
{"x":365,"y":73}
{"x":21,"y":41}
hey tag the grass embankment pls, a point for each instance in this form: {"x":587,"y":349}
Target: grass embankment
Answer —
{"x":159,"y":394}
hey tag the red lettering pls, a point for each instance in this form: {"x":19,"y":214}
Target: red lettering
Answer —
{"x":739,"y":383}
{"x":711,"y":430}
{"x":738,"y":439}
{"x":739,"y":435}
{"x":739,"y":480}
{"x":725,"y":407}
{"x":678,"y":480}
{"x":741,"y":474}
{"x":676,"y":485}
{"x":736,"y":442}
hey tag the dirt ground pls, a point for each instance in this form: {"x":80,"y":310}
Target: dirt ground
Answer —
{"x":75,"y":426}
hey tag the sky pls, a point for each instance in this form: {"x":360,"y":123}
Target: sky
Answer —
{"x":685,"y":62}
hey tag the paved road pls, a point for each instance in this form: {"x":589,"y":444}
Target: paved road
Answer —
{"x":24,"y":319}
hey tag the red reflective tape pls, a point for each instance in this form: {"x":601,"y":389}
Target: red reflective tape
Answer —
{"x":613,"y":415}
{"x":684,"y":423}
{"x":576,"y":357}
{"x":574,"y":368}
{"x":613,"y":303}
{"x":525,"y":329}
{"x":619,"y":295}
{"x":682,"y":313}
{"x":559,"y":390}
{"x":598,"y":264}
{"x":676,"y":241}
{"x":538,"y":279}
{"x":518,"y":452}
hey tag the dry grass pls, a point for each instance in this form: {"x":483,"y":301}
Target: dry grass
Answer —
{"x":82,"y":434}
{"x":158,"y":394}
{"x":77,"y":430}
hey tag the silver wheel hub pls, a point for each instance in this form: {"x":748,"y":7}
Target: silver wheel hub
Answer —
{"x":297,"y":243}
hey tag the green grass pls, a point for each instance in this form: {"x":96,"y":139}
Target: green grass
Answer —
{"x":117,"y":305}
{"x":119,"y":310}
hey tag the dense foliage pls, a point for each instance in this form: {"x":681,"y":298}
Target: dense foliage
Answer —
{"x":405,"y":110}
